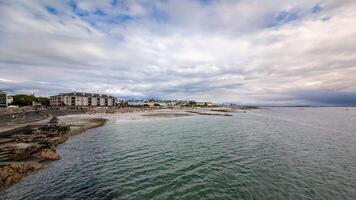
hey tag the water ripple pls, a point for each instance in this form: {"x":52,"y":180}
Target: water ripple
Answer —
{"x":264,"y":154}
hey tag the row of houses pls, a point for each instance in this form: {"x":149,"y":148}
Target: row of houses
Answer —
{"x":151,"y":103}
{"x":101,"y":100}
{"x":69,"y":99}
{"x":166,"y":103}
{"x":79,"y":99}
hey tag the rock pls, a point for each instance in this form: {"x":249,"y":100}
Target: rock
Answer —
{"x":25,"y":150}
{"x":14,"y":178}
{"x":5,"y":172}
{"x":47,"y":154}
{"x":13,"y":172}
{"x":54,"y":141}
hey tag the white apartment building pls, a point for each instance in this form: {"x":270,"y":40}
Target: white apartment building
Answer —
{"x":82,"y":99}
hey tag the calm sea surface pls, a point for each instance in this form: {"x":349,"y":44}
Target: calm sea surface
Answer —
{"x":278,"y":153}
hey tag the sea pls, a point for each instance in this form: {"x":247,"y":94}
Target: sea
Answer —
{"x":267,"y":153}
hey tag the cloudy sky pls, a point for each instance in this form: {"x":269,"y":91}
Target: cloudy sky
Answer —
{"x":279,"y":52}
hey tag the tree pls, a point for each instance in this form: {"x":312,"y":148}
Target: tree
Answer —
{"x":43,"y":100}
{"x":26,"y":100}
{"x":23,"y":100}
{"x":191,"y":104}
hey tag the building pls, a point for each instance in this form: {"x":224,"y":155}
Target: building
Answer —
{"x":204,"y":104}
{"x":172,"y":103}
{"x":36,"y":104}
{"x":152,"y":103}
{"x":3,"y":99}
{"x":10,"y":99}
{"x":135,"y":103}
{"x":82,"y":99}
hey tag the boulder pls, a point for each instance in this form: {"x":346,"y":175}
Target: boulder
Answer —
{"x":13,"y":172}
{"x":47,"y":154}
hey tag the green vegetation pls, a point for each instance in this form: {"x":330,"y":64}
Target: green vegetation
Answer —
{"x":43,"y":100}
{"x":26,"y":100}
{"x":192,"y":104}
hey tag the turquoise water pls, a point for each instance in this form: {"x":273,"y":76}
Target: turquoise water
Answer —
{"x":279,"y":153}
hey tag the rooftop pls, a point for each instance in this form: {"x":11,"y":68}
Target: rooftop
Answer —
{"x":82,"y":94}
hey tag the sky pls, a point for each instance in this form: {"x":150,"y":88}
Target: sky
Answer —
{"x":273,"y":52}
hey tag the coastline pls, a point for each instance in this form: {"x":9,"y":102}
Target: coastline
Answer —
{"x":33,"y":156}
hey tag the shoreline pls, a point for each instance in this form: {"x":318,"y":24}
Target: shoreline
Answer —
{"x":33,"y":155}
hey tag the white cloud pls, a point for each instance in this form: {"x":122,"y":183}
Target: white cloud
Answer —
{"x":221,"y":50}
{"x":7,"y":80}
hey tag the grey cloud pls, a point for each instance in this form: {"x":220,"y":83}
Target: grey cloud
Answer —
{"x":222,"y":51}
{"x":327,"y":97}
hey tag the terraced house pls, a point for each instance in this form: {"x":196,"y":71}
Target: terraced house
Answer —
{"x":82,"y":99}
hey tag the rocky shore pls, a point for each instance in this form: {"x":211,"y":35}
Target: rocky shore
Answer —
{"x":27,"y":149}
{"x":27,"y":146}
